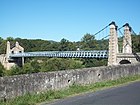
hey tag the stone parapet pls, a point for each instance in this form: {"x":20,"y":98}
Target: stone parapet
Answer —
{"x":13,"y":86}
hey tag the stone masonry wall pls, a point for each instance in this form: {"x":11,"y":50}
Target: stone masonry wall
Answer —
{"x":39,"y":82}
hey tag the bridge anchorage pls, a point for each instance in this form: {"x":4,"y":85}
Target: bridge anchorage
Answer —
{"x":15,"y":56}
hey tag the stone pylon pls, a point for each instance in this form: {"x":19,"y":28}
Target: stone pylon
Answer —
{"x":7,"y":62}
{"x":127,"y":42}
{"x":7,"y":65}
{"x":8,"y":50}
{"x":113,"y":45}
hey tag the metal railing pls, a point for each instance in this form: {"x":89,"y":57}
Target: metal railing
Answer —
{"x":64,"y":54}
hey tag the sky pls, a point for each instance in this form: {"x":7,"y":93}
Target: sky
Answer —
{"x":69,"y":19}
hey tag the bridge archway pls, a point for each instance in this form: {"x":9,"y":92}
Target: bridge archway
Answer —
{"x":124,"y":62}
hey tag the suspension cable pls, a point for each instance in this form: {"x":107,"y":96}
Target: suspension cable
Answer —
{"x":105,"y":37}
{"x":120,"y":28}
{"x":104,"y":28}
{"x":133,"y":32}
{"x":101,"y":30}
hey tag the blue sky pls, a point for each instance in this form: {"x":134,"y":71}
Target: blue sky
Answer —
{"x":70,"y":19}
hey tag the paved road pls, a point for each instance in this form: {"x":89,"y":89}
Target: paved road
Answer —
{"x":126,"y":95}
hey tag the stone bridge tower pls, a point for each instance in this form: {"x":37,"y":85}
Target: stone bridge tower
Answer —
{"x":5,"y":59}
{"x":113,"y":45}
{"x":127,"y":56}
{"x":127,"y":43}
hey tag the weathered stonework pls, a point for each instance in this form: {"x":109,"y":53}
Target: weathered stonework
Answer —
{"x":127,"y":43}
{"x":130,"y":57}
{"x":6,"y":61}
{"x":113,"y":45}
{"x":39,"y":82}
{"x":127,"y":56}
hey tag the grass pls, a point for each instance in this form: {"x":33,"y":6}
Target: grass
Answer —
{"x":33,"y":99}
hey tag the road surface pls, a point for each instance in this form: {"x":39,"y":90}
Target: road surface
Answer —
{"x":124,"y":95}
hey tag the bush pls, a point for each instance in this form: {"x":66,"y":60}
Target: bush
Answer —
{"x":1,"y":70}
{"x":75,"y":64}
{"x":54,"y":64}
{"x":31,"y":67}
{"x":14,"y":71}
{"x":94,"y":62}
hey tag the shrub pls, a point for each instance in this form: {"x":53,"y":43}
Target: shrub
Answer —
{"x":1,"y":70}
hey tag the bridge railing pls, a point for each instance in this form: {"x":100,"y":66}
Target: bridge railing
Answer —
{"x":64,"y":54}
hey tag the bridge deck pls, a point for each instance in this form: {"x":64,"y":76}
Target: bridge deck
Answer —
{"x":64,"y":54}
{"x":127,"y":55}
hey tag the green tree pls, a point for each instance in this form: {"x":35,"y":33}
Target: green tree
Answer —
{"x":1,"y":70}
{"x":64,"y":45}
{"x":94,"y":62}
{"x":36,"y":66}
{"x":3,"y":47}
{"x":88,"y":42}
{"x":75,"y":64}
{"x":31,"y":67}
{"x":1,"y":40}
{"x":50,"y":46}
{"x":10,"y":39}
{"x":102,"y":44}
{"x":14,"y":71}
{"x":54,"y":64}
{"x":136,"y":43}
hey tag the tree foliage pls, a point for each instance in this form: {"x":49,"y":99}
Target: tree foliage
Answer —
{"x":1,"y":70}
{"x":66,"y":45}
{"x":88,"y":42}
{"x":136,"y":43}
{"x":54,"y":64}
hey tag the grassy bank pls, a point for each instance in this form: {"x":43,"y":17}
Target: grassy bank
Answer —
{"x":33,"y":99}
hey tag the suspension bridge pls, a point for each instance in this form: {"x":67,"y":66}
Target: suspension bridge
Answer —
{"x":114,"y":56}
